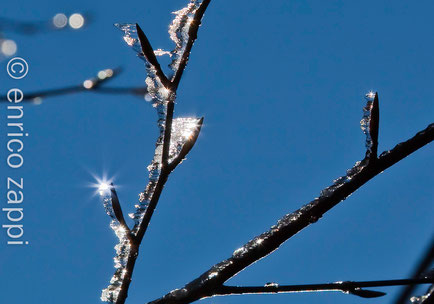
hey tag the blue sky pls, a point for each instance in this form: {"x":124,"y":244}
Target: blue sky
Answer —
{"x":281,"y":86}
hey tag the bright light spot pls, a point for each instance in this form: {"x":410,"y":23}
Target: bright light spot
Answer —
{"x":102,"y":185}
{"x":102,"y":75}
{"x":88,"y":84}
{"x":76,"y":21}
{"x":164,"y":92}
{"x":60,"y":20}
{"x":212,"y":275}
{"x":370,"y":95}
{"x":105,"y":74}
{"x":103,"y":188}
{"x":109,"y":72}
{"x":259,"y":241}
{"x":187,"y":133}
{"x":8,"y":47}
{"x":189,"y":130}
{"x":37,"y":100}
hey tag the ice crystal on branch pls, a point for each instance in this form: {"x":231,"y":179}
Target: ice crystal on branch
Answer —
{"x":131,"y":37}
{"x":179,"y":133}
{"x":182,"y":130}
{"x":179,"y":31}
{"x":369,"y":126}
{"x":160,"y":52}
{"x":156,"y":89}
{"x":160,"y":96}
{"x":122,"y":248}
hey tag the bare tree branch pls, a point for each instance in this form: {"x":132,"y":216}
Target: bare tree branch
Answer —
{"x":264,"y":244}
{"x":94,"y":85}
{"x":211,"y":282}
{"x":349,"y":287}
{"x":166,"y":167}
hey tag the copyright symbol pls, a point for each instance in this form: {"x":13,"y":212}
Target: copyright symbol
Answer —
{"x":17,"y":68}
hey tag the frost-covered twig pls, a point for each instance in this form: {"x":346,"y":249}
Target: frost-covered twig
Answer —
{"x":373,"y":122}
{"x":177,"y":135}
{"x":193,"y":27}
{"x":423,"y":266}
{"x":348,"y":287}
{"x":209,"y":282}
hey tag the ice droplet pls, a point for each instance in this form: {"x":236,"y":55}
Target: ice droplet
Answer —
{"x":212,"y":275}
{"x":239,"y":252}
{"x":271,"y":284}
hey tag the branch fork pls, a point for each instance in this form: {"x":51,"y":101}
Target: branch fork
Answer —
{"x":210,"y":283}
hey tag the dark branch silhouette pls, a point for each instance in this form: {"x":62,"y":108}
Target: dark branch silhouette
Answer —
{"x":209,"y":282}
{"x":349,"y":287}
{"x":92,"y":85}
{"x":423,"y":266}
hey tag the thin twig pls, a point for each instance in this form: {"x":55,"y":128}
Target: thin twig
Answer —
{"x":117,"y":208}
{"x":351,"y":287}
{"x":97,"y":87}
{"x":373,"y":128}
{"x":149,"y":54}
{"x":33,"y":96}
{"x":167,"y":134}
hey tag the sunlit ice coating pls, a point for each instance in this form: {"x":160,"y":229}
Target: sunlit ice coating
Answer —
{"x":181,"y":131}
